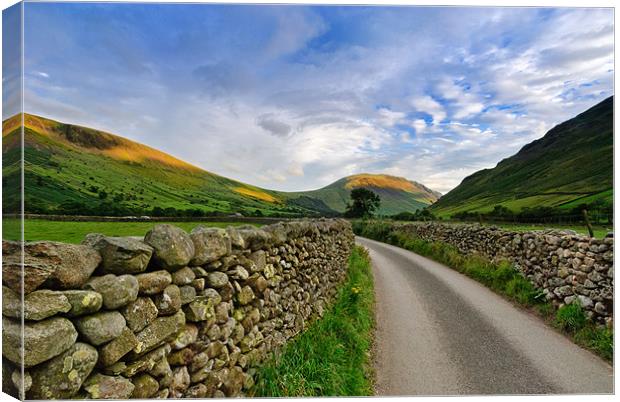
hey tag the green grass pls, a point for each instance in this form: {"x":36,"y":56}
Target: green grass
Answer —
{"x":504,"y":280}
{"x":74,"y":232}
{"x":332,"y":357}
{"x":572,"y":319}
{"x":599,"y":231}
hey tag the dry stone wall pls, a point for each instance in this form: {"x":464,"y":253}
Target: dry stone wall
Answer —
{"x":173,"y":314}
{"x":566,"y":266}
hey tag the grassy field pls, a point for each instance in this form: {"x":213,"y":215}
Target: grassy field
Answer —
{"x":332,"y":357}
{"x":74,"y":232}
{"x":504,"y":280}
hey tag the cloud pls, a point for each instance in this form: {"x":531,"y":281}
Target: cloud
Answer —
{"x":269,"y":123}
{"x":295,"y":97}
{"x":429,"y":106}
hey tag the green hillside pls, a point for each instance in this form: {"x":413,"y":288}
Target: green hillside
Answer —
{"x":397,"y":194}
{"x":570,"y":165}
{"x":78,"y":170}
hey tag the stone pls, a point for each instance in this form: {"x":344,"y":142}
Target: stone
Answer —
{"x":22,"y":383}
{"x":147,"y":362}
{"x":120,"y":255}
{"x":245,"y":296}
{"x":217,"y":279}
{"x":569,"y":299}
{"x":236,"y":240}
{"x":226,"y":292}
{"x":161,"y":368}
{"x":99,"y":386}
{"x":116,"y":291}
{"x":254,"y":238}
{"x":258,"y":283}
{"x":101,"y":327}
{"x":233,"y":382}
{"x":201,"y":309}
{"x":139,"y":313}
{"x":188,"y":294}
{"x":181,"y":357}
{"x":62,"y":376}
{"x":153,"y":283}
{"x":185,"y":337}
{"x":585,"y":302}
{"x":145,"y":386}
{"x":238,"y":273}
{"x":210,"y":244}
{"x":180,"y":382}
{"x":37,"y":305}
{"x":214,"y":349}
{"x":259,"y":258}
{"x":161,"y":329}
{"x":169,"y":301}
{"x":196,"y":391}
{"x":199,"y":272}
{"x":162,"y":394}
{"x":83,"y":302}
{"x":114,"y":350}
{"x":221,"y":312}
{"x":600,"y":308}
{"x":198,"y":284}
{"x":58,"y":265}
{"x":42,"y":339}
{"x":183,"y":276}
{"x":173,"y":247}
{"x":563,"y":291}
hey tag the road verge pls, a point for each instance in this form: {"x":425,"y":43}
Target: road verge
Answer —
{"x":332,"y":357}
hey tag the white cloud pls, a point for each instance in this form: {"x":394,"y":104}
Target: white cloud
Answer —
{"x":430,"y":106}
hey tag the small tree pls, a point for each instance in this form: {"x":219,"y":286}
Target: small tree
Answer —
{"x":363,"y":203}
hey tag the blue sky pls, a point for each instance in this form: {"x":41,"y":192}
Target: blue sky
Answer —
{"x":295,"y":97}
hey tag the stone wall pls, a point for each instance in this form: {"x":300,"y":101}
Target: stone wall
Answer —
{"x":566,"y":266}
{"x":168,"y":315}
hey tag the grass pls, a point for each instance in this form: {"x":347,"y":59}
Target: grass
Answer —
{"x":332,"y":357}
{"x":599,"y":231}
{"x":74,"y":232}
{"x":504,"y":280}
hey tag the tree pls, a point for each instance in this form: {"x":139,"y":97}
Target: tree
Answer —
{"x":364,"y":203}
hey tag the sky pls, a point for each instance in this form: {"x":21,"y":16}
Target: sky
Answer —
{"x":296,"y":97}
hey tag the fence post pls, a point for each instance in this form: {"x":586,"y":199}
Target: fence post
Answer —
{"x":587,"y":221}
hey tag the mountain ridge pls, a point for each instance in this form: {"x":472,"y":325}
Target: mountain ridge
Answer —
{"x":571,"y":163}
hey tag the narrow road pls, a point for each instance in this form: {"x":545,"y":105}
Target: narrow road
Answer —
{"x":442,"y":333}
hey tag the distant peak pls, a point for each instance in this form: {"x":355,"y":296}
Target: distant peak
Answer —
{"x":385,"y":181}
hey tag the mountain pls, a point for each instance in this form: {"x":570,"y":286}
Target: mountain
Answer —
{"x":570,"y":165}
{"x":78,"y":170}
{"x":397,"y":194}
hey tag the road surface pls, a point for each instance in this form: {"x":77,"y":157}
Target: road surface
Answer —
{"x":441,"y":333}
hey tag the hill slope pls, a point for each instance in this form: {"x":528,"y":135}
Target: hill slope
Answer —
{"x":81,"y":170}
{"x":397,"y":194}
{"x":571,"y":164}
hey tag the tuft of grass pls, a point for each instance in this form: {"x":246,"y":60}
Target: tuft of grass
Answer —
{"x":504,"y":279}
{"x":571,"y":318}
{"x":332,"y":357}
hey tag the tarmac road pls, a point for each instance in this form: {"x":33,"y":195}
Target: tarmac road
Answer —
{"x":442,"y":333}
